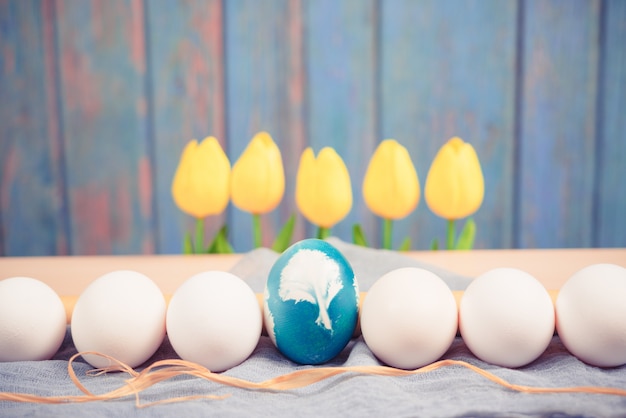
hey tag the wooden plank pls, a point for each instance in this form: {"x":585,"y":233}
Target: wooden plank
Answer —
{"x":265,"y":90}
{"x":31,"y":179}
{"x":610,"y":229}
{"x":69,"y":276}
{"x":341,"y":71}
{"x":448,"y":69}
{"x":103,"y":90}
{"x":557,"y":137}
{"x":187,"y":70}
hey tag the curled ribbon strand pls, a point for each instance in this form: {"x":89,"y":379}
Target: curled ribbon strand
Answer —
{"x":167,"y":369}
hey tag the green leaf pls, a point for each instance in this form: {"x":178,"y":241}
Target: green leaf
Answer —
{"x":358,"y":236}
{"x":406,"y":244}
{"x":223,"y":246}
{"x":187,"y":244}
{"x":467,"y":235}
{"x":434,"y":245}
{"x":212,"y":248}
{"x":283,"y":239}
{"x":220,"y":244}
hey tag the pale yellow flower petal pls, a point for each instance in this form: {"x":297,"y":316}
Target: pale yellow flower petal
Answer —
{"x":323,"y":187}
{"x":391,"y":187}
{"x":455,"y":185}
{"x":258,"y":177}
{"x":306,"y":190}
{"x":201,"y":183}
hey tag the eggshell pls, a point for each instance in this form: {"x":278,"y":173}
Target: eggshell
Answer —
{"x":214,"y":319}
{"x":32,"y":320}
{"x":591,"y":315}
{"x":506,"y":317}
{"x":311,"y":302}
{"x":409,"y":318}
{"x":121,"y":314}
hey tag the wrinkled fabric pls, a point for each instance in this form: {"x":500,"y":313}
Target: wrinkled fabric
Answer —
{"x":446,"y":392}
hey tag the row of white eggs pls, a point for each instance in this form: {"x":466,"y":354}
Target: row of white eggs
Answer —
{"x":408,"y":319}
{"x":505,"y":317}
{"x":213,"y":319}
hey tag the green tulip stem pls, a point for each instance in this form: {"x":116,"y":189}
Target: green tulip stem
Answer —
{"x":450,"y":236}
{"x":387,"y":234}
{"x":256,"y":229}
{"x":323,"y":233}
{"x":199,"y":247}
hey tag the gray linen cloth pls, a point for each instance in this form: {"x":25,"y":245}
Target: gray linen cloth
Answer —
{"x":447,"y":392}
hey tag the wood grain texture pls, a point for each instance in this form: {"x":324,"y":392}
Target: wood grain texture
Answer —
{"x":69,"y":276}
{"x":610,"y":197}
{"x":341,"y":57}
{"x":109,"y":175}
{"x":265,"y":89}
{"x":31,"y":178}
{"x":186,"y":61}
{"x":448,"y":69}
{"x":98,"y":99}
{"x":558,"y":119}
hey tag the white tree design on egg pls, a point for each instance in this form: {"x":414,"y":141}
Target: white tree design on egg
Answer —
{"x":311,"y":276}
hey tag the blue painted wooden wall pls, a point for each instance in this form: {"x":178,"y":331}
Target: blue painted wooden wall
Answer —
{"x":98,"y":98}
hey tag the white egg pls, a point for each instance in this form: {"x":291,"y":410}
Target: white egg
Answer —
{"x":32,"y":320}
{"x":409,"y":318}
{"x":214,"y":319}
{"x":591,"y":315}
{"x":121,"y":314}
{"x":506,"y":317}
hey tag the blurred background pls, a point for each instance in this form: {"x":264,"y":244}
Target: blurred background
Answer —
{"x":98,"y":99}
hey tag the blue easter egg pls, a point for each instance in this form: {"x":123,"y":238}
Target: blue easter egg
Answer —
{"x":311,"y":302}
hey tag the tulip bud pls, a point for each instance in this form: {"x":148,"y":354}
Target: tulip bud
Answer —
{"x":258,"y":178}
{"x":323,"y":188}
{"x":201,"y":183}
{"x":391,"y":187}
{"x":455,"y":186}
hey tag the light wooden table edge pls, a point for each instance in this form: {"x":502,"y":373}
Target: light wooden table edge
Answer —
{"x":69,"y":275}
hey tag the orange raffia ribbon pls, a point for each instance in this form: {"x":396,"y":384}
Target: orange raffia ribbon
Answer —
{"x":167,"y":369}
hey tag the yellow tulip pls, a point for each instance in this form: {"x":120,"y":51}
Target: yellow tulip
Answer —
{"x":455,"y":186}
{"x":391,"y":187}
{"x":201,"y":183}
{"x":323,"y":188}
{"x":258,"y":178}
